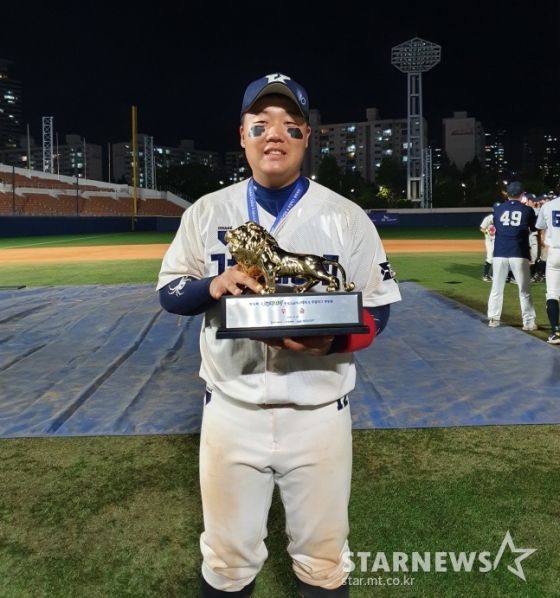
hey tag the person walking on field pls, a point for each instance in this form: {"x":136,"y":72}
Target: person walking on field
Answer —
{"x":513,"y":221}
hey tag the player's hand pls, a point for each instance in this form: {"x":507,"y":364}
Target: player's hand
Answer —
{"x":315,"y":345}
{"x":233,"y":281}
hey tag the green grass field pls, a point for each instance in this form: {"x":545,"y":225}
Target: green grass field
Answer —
{"x":120,"y":516}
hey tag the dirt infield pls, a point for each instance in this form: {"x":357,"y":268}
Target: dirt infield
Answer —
{"x":146,"y":252}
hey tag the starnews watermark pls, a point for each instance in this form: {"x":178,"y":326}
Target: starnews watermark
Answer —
{"x":403,"y":580}
{"x":430,"y":562}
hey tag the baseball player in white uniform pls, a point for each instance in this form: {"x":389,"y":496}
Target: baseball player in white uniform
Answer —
{"x":534,"y":237}
{"x":276,"y":410}
{"x":489,"y":230}
{"x":548,"y":221}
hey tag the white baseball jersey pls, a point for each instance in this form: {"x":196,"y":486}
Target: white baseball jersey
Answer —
{"x":488,"y":221}
{"x":321,"y":223}
{"x":549,"y":219}
{"x":489,"y":238}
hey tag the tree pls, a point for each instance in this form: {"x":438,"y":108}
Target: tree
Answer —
{"x":447,"y":191}
{"x":391,"y":180}
{"x":329,"y":174}
{"x":352,"y":184}
{"x":192,"y":180}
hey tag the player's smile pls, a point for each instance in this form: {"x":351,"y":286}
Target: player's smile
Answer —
{"x":274,"y":153}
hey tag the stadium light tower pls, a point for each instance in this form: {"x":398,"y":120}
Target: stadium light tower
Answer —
{"x":48,"y":160}
{"x":415,"y":57}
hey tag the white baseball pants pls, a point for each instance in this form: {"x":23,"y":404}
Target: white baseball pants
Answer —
{"x":522,"y":273}
{"x":244,"y":450}
{"x":489,"y":242}
{"x":534,"y":246}
{"x":553,"y":274}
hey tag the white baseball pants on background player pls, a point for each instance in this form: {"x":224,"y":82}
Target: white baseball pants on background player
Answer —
{"x":244,"y":450}
{"x":534,"y":246}
{"x":553,"y":274}
{"x":489,"y":243}
{"x":522,"y":273}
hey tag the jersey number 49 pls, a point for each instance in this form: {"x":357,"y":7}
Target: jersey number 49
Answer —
{"x":511,"y":218}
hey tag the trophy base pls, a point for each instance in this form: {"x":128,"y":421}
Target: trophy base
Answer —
{"x":291,"y":315}
{"x":290,"y":332}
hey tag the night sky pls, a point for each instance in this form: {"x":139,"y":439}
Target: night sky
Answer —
{"x":185,"y":63}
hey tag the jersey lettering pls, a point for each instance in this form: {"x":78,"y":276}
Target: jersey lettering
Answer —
{"x":555,"y":219}
{"x":341,"y":403}
{"x":221,"y":259}
{"x":511,"y":218}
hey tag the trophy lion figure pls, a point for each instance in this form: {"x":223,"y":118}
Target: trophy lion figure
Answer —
{"x":258,"y":254}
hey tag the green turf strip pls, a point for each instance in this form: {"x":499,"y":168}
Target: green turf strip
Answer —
{"x":47,"y":274}
{"x":87,"y":240}
{"x":121,"y":516}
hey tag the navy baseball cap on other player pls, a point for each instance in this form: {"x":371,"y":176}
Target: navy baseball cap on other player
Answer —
{"x":276,"y":83}
{"x":496,"y":204}
{"x":515,"y":189}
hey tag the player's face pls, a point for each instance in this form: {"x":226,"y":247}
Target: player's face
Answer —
{"x":274,"y":135}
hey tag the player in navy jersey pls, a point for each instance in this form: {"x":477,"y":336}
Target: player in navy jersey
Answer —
{"x":513,"y":221}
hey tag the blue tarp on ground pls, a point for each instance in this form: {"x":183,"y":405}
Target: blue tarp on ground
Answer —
{"x":106,"y":360}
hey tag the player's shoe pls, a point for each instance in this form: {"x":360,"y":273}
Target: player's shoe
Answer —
{"x":532,"y":326}
{"x":487,"y":278}
{"x":554,"y":339}
{"x":492,"y":323}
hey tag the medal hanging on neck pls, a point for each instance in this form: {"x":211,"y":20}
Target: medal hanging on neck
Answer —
{"x":295,"y":196}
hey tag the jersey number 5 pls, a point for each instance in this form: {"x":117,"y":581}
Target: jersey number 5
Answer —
{"x":511,"y":218}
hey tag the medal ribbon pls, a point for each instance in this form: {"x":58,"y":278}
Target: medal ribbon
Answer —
{"x":295,"y":196}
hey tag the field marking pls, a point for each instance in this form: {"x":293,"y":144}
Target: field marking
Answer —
{"x":64,"y":241}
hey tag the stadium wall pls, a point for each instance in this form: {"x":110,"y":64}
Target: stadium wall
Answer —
{"x":438,"y":218}
{"x":37,"y":226}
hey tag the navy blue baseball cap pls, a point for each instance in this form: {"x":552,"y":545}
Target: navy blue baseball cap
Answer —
{"x":530,"y":196}
{"x":276,"y":83}
{"x":515,"y":189}
{"x":496,"y":204}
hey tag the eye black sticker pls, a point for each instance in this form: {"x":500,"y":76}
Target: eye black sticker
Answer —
{"x":295,"y":133}
{"x":256,"y":131}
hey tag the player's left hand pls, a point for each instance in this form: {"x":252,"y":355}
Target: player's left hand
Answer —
{"x":316,"y":345}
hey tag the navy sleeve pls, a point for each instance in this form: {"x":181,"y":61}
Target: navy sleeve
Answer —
{"x":187,"y":296}
{"x":381,"y":316}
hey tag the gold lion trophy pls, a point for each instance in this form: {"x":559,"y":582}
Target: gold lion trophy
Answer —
{"x":271,"y":314}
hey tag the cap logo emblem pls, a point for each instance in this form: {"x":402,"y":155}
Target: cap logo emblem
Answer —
{"x":277,"y":78}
